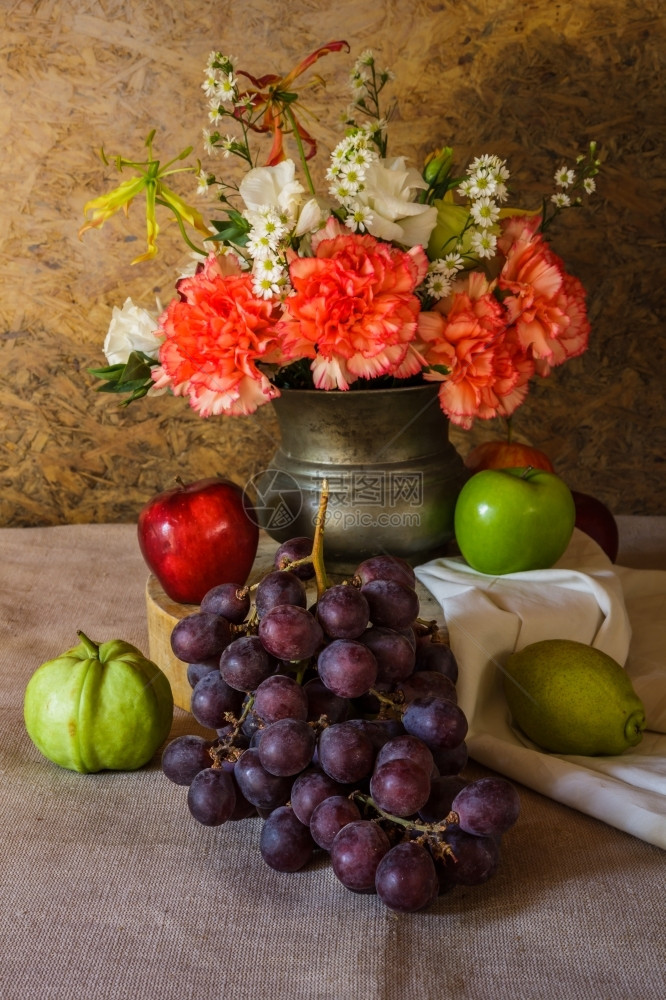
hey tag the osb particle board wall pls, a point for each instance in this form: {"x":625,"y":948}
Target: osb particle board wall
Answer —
{"x":530,"y":80}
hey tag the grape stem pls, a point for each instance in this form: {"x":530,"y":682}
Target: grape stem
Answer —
{"x":428,"y":829}
{"x":224,"y":749}
{"x":318,"y":542}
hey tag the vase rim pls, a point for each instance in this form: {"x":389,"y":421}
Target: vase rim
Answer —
{"x":356,"y":392}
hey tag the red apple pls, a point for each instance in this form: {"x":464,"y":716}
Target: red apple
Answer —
{"x":197,"y":536}
{"x":595,"y":519}
{"x":506,"y":455}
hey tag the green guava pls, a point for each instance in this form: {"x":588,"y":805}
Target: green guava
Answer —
{"x":98,"y":707}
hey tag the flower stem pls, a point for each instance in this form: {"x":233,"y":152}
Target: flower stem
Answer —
{"x":301,"y":152}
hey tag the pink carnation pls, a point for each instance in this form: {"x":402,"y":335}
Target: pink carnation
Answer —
{"x":573,"y":339}
{"x":215,"y":333}
{"x":464,"y":337}
{"x":544,"y":304}
{"x":353,"y":311}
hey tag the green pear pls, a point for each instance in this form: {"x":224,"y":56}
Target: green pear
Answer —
{"x":570,"y":698}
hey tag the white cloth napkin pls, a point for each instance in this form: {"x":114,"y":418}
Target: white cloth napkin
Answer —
{"x":584,"y":597}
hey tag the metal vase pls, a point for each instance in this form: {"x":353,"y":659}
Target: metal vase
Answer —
{"x":392,"y":472}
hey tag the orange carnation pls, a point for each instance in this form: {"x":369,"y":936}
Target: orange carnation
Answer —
{"x":353,"y":311}
{"x":215,"y":334}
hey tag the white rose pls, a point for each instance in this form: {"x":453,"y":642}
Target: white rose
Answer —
{"x":389,"y":191}
{"x":272,"y":187}
{"x":276,"y":187}
{"x":131,"y":329}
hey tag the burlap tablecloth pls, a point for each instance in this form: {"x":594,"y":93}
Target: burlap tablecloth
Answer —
{"x":110,"y":891}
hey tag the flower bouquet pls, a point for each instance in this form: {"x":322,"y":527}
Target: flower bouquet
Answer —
{"x":392,"y":276}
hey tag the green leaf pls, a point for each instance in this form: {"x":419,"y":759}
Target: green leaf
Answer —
{"x":138,"y":367}
{"x":110,"y":372}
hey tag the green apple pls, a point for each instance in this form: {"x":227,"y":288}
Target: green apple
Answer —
{"x":511,"y":520}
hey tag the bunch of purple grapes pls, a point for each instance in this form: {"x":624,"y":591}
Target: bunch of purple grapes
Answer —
{"x":337,"y":724}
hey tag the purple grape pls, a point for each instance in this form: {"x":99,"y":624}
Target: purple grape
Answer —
{"x":391,"y":603}
{"x":212,"y":699}
{"x":200,"y":636}
{"x":195,"y":671}
{"x":265,"y":791}
{"x":309,"y":790}
{"x":296,"y":548}
{"x":277,"y":588}
{"x":243,"y":809}
{"x":428,"y":683}
{"x":475,"y":860}
{"x":400,"y":786}
{"x":280,"y":697}
{"x":347,"y":667}
{"x":211,"y":797}
{"x":394,"y":653}
{"x":244,"y":664}
{"x":409,"y":747}
{"x":345,"y":753}
{"x":386,"y":567}
{"x":184,"y":757}
{"x":443,"y":791}
{"x":409,"y":634}
{"x":343,"y":612}
{"x":451,"y":762}
{"x":487,"y":806}
{"x":290,"y":633}
{"x":329,"y":817}
{"x":436,"y":656}
{"x":285,"y":843}
{"x":321,"y":701}
{"x":286,"y":747}
{"x":379,"y":731}
{"x":230,"y":600}
{"x":356,"y":852}
{"x":436,"y":721}
{"x":406,"y":880}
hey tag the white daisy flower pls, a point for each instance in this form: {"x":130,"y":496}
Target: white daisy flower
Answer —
{"x":343,"y":191}
{"x":209,"y":140}
{"x":483,"y":184}
{"x":359,"y":218}
{"x":564,"y":177}
{"x":209,"y":85}
{"x":485,"y":212}
{"x":483,"y":243}
{"x":438,"y":285}
{"x":561,"y":199}
{"x":227,"y":88}
{"x":465,"y":188}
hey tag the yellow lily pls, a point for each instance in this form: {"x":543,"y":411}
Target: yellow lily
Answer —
{"x":151,"y":180}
